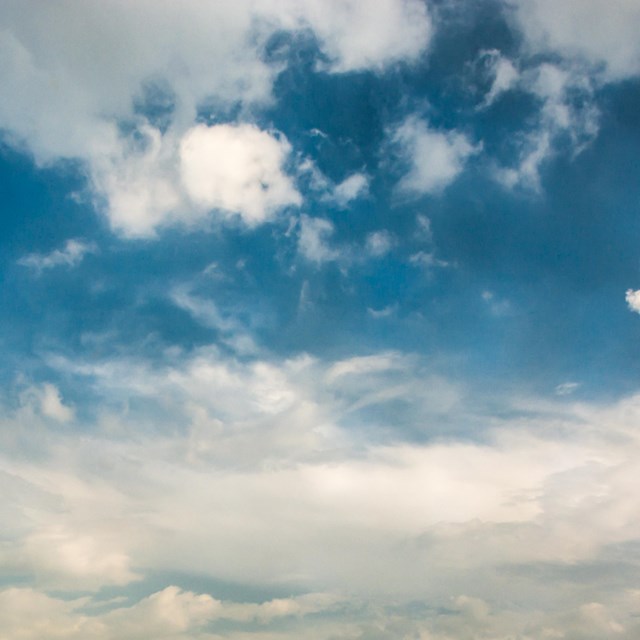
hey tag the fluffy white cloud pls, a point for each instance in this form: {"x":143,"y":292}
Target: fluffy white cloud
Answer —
{"x":602,"y":33}
{"x":435,"y":158}
{"x":237,"y":169}
{"x":70,"y":255}
{"x":104,"y":68}
{"x":633,"y":300}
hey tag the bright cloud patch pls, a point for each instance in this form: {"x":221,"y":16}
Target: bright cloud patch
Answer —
{"x":633,"y":300}
{"x":600,"y":32}
{"x":435,"y":158}
{"x":237,"y":169}
{"x":358,"y":35}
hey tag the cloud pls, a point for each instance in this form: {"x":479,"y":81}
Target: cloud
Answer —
{"x":633,"y":300}
{"x":299,"y":457}
{"x":560,"y":116}
{"x":600,"y":33}
{"x":566,"y":388}
{"x":427,"y":260}
{"x":221,"y":171}
{"x":378,"y":243}
{"x":435,"y":158}
{"x":505,"y":75}
{"x":357,"y":36}
{"x":314,"y":244}
{"x":147,"y":172}
{"x":313,"y":240}
{"x":46,"y":400}
{"x":205,"y":311}
{"x":352,"y":188}
{"x":237,"y":169}
{"x":171,"y":613}
{"x":71,"y":255}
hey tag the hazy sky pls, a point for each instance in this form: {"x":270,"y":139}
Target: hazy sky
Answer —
{"x":319,"y":319}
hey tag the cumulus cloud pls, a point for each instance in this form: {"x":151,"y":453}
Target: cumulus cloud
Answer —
{"x":237,"y":169}
{"x":71,"y":255}
{"x":435,"y":158}
{"x":602,"y":33}
{"x":146,"y":173}
{"x":633,"y":300}
{"x":225,"y":169}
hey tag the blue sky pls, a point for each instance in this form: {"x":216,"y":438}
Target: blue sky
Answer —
{"x":319,"y":319}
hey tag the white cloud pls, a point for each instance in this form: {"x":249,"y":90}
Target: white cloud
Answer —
{"x":313,"y":240}
{"x":633,"y":300}
{"x":427,"y":260}
{"x":238,"y":169}
{"x":598,"y":32}
{"x":378,"y":243}
{"x":46,"y":400}
{"x":248,"y":455}
{"x":566,"y":388}
{"x":560,"y":115}
{"x":206,"y":312}
{"x":70,"y":255}
{"x":352,"y":188}
{"x":224,"y":170}
{"x":358,"y":35}
{"x":171,"y":613}
{"x":435,"y":158}
{"x":192,"y":54}
{"x":80,"y":559}
{"x":505,"y":75}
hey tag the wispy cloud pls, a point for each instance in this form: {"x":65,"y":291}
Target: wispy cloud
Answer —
{"x":435,"y":158}
{"x":71,"y":255}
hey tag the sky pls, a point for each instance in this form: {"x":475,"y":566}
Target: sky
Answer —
{"x":319,"y":319}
